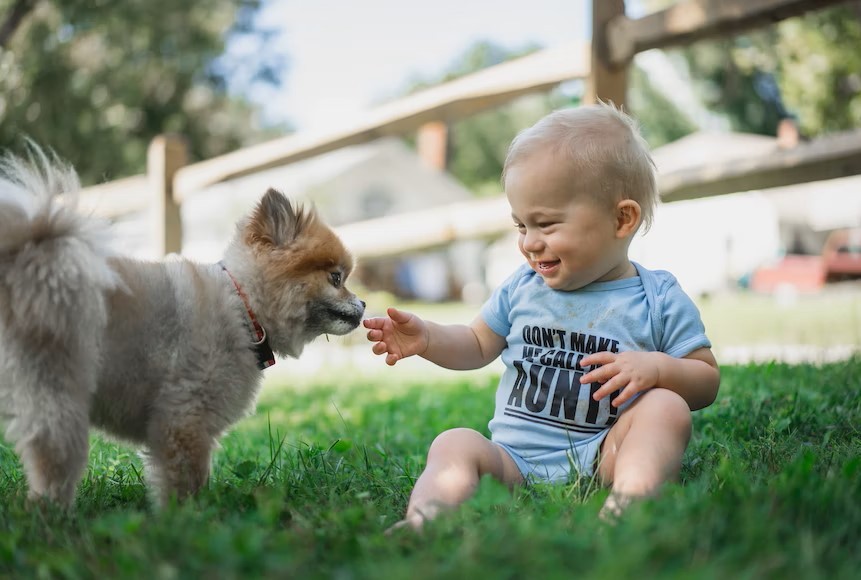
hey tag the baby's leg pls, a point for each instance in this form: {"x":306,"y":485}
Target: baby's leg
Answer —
{"x":457,"y":460}
{"x":645,"y":447}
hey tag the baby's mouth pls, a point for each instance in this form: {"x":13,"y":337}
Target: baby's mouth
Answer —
{"x":544,"y":266}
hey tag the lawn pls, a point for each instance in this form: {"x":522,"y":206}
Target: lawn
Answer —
{"x":829,"y":318}
{"x":771,"y":488}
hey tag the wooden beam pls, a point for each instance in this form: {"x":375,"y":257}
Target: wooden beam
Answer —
{"x":116,"y":198}
{"x":428,"y":228}
{"x":454,"y":100}
{"x":837,"y":155}
{"x":828,"y":157}
{"x":607,"y":81}
{"x":693,"y":20}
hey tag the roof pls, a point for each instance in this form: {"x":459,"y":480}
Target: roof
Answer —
{"x":710,"y":147}
{"x":303,"y":175}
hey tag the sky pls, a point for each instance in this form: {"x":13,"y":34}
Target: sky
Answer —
{"x":347,"y":55}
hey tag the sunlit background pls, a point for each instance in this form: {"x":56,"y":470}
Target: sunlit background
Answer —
{"x":97,"y":81}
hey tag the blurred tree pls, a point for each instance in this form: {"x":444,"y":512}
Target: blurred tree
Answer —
{"x":808,"y":67}
{"x":659,"y":118}
{"x":478,"y":144}
{"x":96,"y":79}
{"x":819,"y":68}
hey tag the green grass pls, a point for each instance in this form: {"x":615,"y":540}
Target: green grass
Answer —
{"x":771,"y":488}
{"x":829,"y":318}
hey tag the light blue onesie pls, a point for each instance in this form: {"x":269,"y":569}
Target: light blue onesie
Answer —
{"x":545,"y":419}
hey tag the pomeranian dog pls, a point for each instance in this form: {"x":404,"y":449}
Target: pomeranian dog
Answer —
{"x":165,"y":355}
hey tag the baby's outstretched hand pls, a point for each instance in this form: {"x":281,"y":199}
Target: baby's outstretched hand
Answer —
{"x":629,"y":372}
{"x":398,"y":336}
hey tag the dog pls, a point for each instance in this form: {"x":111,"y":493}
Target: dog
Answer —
{"x":163,"y":355}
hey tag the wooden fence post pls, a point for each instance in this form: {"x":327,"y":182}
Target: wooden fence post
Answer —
{"x":165,"y":155}
{"x":607,"y":82}
{"x":432,"y":144}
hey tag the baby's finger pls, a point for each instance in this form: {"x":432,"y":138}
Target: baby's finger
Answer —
{"x":375,"y":335}
{"x":379,"y":348}
{"x":623,"y":397}
{"x":391,"y":359}
{"x":599,"y":375}
{"x":597,"y":358}
{"x":610,"y":386}
{"x":373,"y":322}
{"x":398,"y":315}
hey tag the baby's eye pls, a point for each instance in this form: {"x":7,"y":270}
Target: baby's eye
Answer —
{"x":545,"y":225}
{"x":335,"y":278}
{"x":520,"y":227}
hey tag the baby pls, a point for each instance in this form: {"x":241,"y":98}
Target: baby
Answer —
{"x":604,"y":359}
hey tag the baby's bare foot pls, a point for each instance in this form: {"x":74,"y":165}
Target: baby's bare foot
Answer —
{"x":614,"y":506}
{"x":416,"y":518}
{"x":414,"y":522}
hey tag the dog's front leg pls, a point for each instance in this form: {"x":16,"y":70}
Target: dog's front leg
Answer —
{"x":178,"y":458}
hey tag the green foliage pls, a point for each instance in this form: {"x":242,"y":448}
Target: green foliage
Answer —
{"x":305,"y":488}
{"x":820,"y":68}
{"x":660,"y":120}
{"x":96,"y":80}
{"x":807,"y":67}
{"x":478,"y":144}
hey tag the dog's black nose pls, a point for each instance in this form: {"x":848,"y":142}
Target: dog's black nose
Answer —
{"x":363,"y":303}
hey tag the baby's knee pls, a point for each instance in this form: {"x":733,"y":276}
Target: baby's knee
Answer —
{"x":454,"y":438}
{"x":460,"y":442}
{"x":669,"y":408}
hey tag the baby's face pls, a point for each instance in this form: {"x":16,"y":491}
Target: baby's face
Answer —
{"x":566,"y":237}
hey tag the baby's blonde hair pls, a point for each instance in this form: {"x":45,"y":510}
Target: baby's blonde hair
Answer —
{"x":604,"y":152}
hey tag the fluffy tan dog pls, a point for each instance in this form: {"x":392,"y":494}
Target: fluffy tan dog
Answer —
{"x":163,"y":355}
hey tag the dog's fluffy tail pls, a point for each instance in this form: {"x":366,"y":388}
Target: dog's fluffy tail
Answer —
{"x":54,"y":270}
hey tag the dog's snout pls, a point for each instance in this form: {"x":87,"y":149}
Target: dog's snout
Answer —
{"x":362,"y":302}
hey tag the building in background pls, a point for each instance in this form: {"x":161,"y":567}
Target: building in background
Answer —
{"x":384,"y":177}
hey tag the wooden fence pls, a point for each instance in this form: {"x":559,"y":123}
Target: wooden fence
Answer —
{"x":616,"y":39}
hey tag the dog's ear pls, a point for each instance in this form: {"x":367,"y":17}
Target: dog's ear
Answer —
{"x":276,"y":221}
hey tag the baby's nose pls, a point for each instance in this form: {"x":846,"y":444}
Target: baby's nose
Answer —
{"x":532,"y":241}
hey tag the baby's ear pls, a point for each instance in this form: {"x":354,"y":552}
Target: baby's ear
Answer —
{"x":628,"y":216}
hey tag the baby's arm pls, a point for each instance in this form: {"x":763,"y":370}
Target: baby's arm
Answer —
{"x":695,"y":377}
{"x":453,"y":346}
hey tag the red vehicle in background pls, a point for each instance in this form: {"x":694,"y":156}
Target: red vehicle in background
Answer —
{"x":840,"y":260}
{"x":841,"y":255}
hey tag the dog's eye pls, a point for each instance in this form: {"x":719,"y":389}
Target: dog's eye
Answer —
{"x":335,"y":278}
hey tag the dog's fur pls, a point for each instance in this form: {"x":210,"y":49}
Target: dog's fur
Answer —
{"x":158,"y":354}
